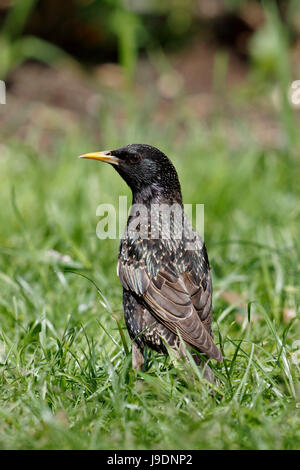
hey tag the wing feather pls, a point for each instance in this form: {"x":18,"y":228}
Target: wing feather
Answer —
{"x":176,"y":301}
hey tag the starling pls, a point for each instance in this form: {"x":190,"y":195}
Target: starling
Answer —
{"x":162,"y":264}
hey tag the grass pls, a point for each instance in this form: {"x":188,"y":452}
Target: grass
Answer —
{"x":66,"y":380}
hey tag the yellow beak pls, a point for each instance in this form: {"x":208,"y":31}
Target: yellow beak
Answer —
{"x":102,"y":157}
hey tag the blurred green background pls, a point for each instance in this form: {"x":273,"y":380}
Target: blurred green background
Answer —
{"x":237,"y":57}
{"x":209,"y":83}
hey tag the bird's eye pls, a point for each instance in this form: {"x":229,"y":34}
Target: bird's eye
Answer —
{"x":134,"y":158}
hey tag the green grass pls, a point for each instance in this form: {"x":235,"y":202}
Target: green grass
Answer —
{"x":66,"y":380}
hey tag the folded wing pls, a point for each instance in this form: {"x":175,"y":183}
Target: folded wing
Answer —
{"x":176,"y":302}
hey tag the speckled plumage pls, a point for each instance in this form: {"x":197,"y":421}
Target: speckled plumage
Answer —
{"x":165,"y":272}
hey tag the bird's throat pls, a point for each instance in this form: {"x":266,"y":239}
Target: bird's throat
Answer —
{"x":156,"y":194}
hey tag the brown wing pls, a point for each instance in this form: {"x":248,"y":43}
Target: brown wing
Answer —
{"x":201,"y":296}
{"x":170,"y":299}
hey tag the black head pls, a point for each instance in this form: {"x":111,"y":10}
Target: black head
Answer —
{"x":146,"y":170}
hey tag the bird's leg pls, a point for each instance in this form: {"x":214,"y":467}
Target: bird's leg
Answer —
{"x":137,"y":357}
{"x":203,"y":366}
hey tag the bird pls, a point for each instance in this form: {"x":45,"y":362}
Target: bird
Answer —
{"x":163,"y":264}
